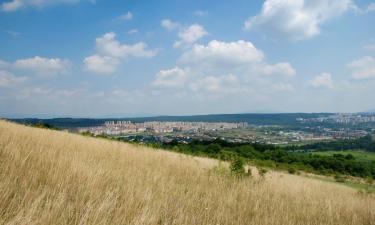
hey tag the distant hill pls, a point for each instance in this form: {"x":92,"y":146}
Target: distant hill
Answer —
{"x":251,"y":118}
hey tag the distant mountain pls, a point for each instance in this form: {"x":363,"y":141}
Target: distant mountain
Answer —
{"x":251,"y":118}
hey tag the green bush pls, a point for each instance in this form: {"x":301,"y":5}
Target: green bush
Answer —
{"x":340,"y":179}
{"x":262,"y":172}
{"x":291,"y":170}
{"x":237,"y":166}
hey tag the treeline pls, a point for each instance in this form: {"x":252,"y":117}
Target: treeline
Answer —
{"x":275,"y":157}
{"x":365,"y":143}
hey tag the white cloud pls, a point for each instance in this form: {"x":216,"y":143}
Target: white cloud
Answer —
{"x":190,"y":35}
{"x":108,"y":45}
{"x":14,"y":5}
{"x":237,"y":56}
{"x":127,"y":16}
{"x":132,"y":31}
{"x":297,"y":19}
{"x":8,"y":79}
{"x":224,"y":68}
{"x":111,"y":52}
{"x":363,"y":68}
{"x":222,"y":84}
{"x":43,"y":66}
{"x":323,"y":80}
{"x":171,"y":78}
{"x":278,"y":68}
{"x":101,"y":64}
{"x":222,"y":53}
{"x":169,"y":25}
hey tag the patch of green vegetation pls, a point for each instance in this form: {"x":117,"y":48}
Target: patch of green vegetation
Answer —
{"x":44,"y":126}
{"x":358,"y":154}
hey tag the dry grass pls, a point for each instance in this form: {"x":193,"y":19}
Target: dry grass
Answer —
{"x":51,"y":177}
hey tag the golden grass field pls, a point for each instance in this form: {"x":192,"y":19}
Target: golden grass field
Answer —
{"x":53,"y":177}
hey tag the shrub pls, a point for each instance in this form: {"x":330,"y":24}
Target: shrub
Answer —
{"x":262,"y":172}
{"x":340,"y":179}
{"x":237,"y":166}
{"x":291,"y":170}
{"x":369,"y":180}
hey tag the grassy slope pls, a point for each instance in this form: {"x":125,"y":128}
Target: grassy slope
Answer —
{"x":51,"y":177}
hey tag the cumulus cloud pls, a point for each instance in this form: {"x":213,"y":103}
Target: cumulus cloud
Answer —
{"x":14,"y":5}
{"x":323,"y":80}
{"x":221,"y":84}
{"x":169,"y":24}
{"x":363,"y":68}
{"x":43,"y":66}
{"x":101,"y":64}
{"x":111,"y":52}
{"x":108,"y":45}
{"x":297,"y":19}
{"x":221,"y":68}
{"x":171,"y":78}
{"x":283,"y":68}
{"x":220,"y":53}
{"x":190,"y":35}
{"x":8,"y":79}
{"x":233,"y":56}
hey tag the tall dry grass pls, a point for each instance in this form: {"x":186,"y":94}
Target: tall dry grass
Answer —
{"x":51,"y":177}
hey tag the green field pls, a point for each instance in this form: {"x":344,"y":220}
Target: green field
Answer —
{"x":359,"y":155}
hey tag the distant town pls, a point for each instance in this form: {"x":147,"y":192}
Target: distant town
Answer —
{"x":301,"y":130}
{"x":127,"y":127}
{"x":344,"y":118}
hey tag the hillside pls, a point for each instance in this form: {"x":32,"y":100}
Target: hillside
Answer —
{"x":53,"y":177}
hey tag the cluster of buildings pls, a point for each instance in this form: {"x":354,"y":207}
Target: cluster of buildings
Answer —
{"x":344,"y":118}
{"x":127,"y":127}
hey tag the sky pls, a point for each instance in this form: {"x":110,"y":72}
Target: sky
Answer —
{"x":119,"y":58}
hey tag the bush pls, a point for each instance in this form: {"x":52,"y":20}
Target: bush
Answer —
{"x":237,"y":166}
{"x":340,"y":179}
{"x":262,"y":172}
{"x":291,"y":170}
{"x":369,"y":180}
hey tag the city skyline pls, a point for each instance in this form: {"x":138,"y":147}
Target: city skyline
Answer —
{"x":86,"y":58}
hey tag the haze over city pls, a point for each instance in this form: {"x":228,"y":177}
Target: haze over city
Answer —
{"x":96,"y":58}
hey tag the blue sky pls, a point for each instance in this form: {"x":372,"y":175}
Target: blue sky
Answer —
{"x":86,"y":58}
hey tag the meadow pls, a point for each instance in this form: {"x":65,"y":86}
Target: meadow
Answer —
{"x":54,"y":177}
